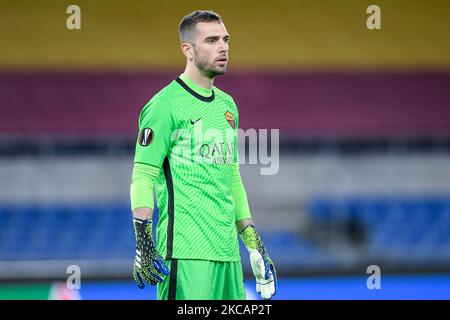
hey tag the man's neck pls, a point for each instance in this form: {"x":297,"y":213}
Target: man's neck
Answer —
{"x":198,"y":78}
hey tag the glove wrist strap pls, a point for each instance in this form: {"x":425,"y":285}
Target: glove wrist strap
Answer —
{"x":143,"y":230}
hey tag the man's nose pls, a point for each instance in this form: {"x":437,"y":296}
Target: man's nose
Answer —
{"x":223,"y":47}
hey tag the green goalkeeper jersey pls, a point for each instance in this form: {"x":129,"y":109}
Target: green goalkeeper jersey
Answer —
{"x":191,"y":134}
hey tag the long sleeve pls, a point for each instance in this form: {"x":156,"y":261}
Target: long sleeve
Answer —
{"x":239,"y":195}
{"x":141,"y":188}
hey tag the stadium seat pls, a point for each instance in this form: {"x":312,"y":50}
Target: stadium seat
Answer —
{"x":399,"y":229}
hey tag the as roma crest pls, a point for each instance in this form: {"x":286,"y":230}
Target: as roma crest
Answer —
{"x":230,"y":118}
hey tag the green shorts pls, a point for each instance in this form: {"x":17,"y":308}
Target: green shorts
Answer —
{"x":202,"y":280}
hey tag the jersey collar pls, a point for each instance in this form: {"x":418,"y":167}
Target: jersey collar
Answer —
{"x":194,"y":93}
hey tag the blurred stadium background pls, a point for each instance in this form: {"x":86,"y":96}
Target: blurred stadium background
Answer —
{"x":364,"y":119}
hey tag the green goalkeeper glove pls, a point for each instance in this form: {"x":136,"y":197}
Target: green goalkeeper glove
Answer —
{"x":262,"y":266}
{"x":149,"y":266}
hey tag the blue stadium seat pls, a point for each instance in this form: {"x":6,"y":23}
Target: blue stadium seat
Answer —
{"x":321,"y":209}
{"x":408,"y":229}
{"x":400,"y":228}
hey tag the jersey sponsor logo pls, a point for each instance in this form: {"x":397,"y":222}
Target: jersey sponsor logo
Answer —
{"x":146,"y":137}
{"x":195,"y":121}
{"x":230,"y":118}
{"x":218,"y":153}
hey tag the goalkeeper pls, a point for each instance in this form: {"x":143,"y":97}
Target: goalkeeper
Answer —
{"x":187,"y":152}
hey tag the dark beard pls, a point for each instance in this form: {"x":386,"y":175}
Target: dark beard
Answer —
{"x":210,"y":73}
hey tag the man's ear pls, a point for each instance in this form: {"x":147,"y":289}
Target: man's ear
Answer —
{"x":187,"y":50}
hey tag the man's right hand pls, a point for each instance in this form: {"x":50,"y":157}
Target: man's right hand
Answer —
{"x":149,"y":266}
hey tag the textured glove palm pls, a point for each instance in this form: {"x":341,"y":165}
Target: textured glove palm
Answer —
{"x":262,"y":266}
{"x":149,"y":266}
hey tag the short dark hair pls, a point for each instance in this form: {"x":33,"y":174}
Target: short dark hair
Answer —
{"x":188,"y":23}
